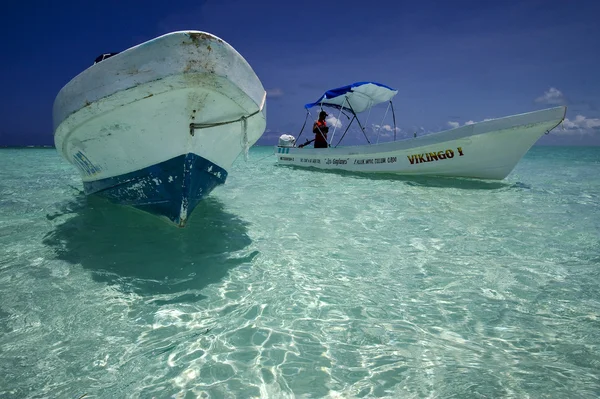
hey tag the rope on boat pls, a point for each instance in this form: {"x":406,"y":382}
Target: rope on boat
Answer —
{"x":561,"y":123}
{"x":194,"y":126}
{"x":243,"y":119}
{"x":245,"y":144}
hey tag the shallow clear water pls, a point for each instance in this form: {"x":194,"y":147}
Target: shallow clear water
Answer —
{"x":291,"y":283}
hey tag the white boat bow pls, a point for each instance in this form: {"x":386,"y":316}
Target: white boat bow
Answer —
{"x":159,"y":125}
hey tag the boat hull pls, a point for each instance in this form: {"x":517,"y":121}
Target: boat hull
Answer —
{"x":169,"y":189}
{"x":485,"y":150}
{"x":158,"y":125}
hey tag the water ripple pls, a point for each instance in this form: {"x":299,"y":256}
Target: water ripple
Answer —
{"x":292,"y":283}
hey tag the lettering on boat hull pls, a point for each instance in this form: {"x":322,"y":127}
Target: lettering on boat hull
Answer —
{"x":375,"y":161}
{"x":84,"y":164}
{"x":329,"y":161}
{"x":434,"y":156}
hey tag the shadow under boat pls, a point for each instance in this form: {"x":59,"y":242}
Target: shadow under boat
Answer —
{"x":143,"y":254}
{"x":419,"y":180}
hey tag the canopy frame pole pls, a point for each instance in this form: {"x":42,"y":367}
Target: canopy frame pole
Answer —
{"x":358,"y":120}
{"x":383,"y":120}
{"x":349,"y":124}
{"x":394,"y":118}
{"x":335,"y":127}
{"x":343,"y":113}
{"x":369,"y":114}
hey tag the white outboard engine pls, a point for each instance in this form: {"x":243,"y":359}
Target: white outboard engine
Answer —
{"x":286,"y":140}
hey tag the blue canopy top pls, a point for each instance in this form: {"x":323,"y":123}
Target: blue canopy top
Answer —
{"x":357,"y":97}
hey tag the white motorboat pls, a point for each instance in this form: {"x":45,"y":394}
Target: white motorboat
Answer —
{"x":158,"y":126}
{"x":485,"y":150}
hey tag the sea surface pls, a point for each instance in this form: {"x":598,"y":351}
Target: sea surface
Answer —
{"x":292,"y":283}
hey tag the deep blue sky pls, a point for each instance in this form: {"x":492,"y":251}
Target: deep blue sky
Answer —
{"x":452,"y":61}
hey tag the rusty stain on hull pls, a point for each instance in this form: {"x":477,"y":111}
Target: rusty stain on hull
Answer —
{"x":198,"y":36}
{"x":197,"y":64}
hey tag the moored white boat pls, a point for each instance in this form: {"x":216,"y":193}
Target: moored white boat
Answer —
{"x":485,"y":150}
{"x":158,"y":125}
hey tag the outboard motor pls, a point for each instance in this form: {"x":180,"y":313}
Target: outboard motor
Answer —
{"x":286,"y":140}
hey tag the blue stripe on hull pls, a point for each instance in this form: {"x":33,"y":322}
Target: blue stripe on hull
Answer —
{"x":171,"y":188}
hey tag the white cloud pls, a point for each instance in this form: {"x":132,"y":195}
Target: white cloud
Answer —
{"x":387,"y":128}
{"x":552,"y":96}
{"x":333,"y":121}
{"x":384,"y":130}
{"x":454,"y":124}
{"x":275,"y":92}
{"x":579,"y":125}
{"x":583,"y":122}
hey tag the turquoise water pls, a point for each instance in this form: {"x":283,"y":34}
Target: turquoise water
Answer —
{"x":292,"y":283}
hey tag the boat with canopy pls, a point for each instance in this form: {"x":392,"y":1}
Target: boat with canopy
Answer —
{"x":485,"y":150}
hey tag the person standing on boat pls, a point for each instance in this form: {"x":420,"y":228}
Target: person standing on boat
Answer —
{"x":320,"y":130}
